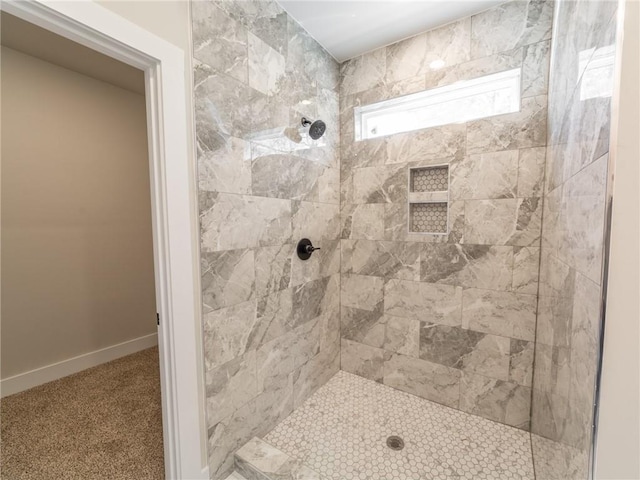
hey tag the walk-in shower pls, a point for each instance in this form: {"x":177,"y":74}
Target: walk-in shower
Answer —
{"x":448,"y":325}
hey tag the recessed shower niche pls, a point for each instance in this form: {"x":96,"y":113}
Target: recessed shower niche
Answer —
{"x":429,"y":199}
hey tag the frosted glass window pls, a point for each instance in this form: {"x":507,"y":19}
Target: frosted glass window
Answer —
{"x":460,"y":102}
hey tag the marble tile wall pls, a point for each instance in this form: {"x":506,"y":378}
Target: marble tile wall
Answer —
{"x":449,"y":318}
{"x":271,"y":321}
{"x":568,"y":323}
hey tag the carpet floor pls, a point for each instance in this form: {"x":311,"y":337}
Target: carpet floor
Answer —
{"x":101,"y":423}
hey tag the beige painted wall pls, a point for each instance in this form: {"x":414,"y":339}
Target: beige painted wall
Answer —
{"x":77,"y":258}
{"x":618,"y":440}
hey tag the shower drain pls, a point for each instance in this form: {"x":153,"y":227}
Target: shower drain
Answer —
{"x":395,"y":443}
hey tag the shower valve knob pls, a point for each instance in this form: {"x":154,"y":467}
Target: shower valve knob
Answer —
{"x":305,"y":249}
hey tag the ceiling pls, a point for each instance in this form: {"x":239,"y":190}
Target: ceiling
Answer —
{"x":28,"y":38}
{"x":348,"y":28}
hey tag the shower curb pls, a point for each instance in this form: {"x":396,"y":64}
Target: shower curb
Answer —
{"x":258,"y":460}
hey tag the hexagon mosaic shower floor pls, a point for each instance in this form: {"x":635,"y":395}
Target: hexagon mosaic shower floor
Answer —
{"x":340,"y":432}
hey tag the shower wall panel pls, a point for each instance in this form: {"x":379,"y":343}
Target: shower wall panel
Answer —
{"x":271,"y":321}
{"x":450,"y":318}
{"x":568,"y":325}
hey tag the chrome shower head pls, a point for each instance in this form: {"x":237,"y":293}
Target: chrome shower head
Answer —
{"x":316,"y":129}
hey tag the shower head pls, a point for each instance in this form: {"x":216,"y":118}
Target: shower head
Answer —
{"x":316,"y":129}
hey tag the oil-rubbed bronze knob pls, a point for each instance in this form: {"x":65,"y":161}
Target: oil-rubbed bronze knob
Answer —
{"x":305,"y":249}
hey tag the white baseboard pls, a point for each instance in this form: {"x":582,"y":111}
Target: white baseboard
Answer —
{"x":49,"y":373}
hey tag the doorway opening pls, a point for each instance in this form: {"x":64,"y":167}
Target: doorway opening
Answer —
{"x":173,"y":214}
{"x":80,"y":366}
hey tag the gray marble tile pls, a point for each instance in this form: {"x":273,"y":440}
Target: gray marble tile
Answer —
{"x":238,"y":221}
{"x":227,"y":436}
{"x":500,"y":313}
{"x":523,"y":129}
{"x":227,"y":278}
{"x":364,"y":221}
{"x":362,"y":360}
{"x":556,"y":277}
{"x":364,"y":72}
{"x":424,"y":379}
{"x":257,"y":460}
{"x":323,"y":263}
{"x":363,"y":153}
{"x":384,"y":259}
{"x":585,"y":334}
{"x":504,"y":402}
{"x":521,"y":362}
{"x":273,"y":269}
{"x":485,"y":266}
{"x":223,"y":106}
{"x":466,"y":350}
{"x":389,"y":90}
{"x":552,"y":374}
{"x":266,"y":19}
{"x":485,"y":176}
{"x":328,"y":101}
{"x":281,"y":175}
{"x":318,"y":222}
{"x":580,"y":137}
{"x":363,"y":326}
{"x":498,"y":62}
{"x":449,"y":43}
{"x":406,"y":58}
{"x":503,"y":222}
{"x":257,"y":187}
{"x":225,"y":169}
{"x":553,"y":324}
{"x":259,"y":455}
{"x":307,"y":56}
{"x":586,"y":27}
{"x":230,"y":386}
{"x":306,"y":344}
{"x":219,"y":41}
{"x":557,"y":461}
{"x":535,"y":68}
{"x":316,"y":372}
{"x":582,"y":220}
{"x":526,"y":263}
{"x":552,"y":379}
{"x":441,"y":263}
{"x":273,"y":405}
{"x":266,"y":66}
{"x":550,"y":413}
{"x":510,"y":25}
{"x":226,"y":333}
{"x":363,"y":292}
{"x":328,"y":186}
{"x":429,"y":146}
{"x":270,"y":113}
{"x":277,"y":360}
{"x":330,"y":331}
{"x":414,"y":56}
{"x":402,"y":335}
{"x":429,"y":302}
{"x":274,"y":317}
{"x":312,"y":299}
{"x":531,"y":172}
{"x":385,"y":184}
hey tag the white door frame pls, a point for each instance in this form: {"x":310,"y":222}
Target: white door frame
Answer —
{"x":173,"y":215}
